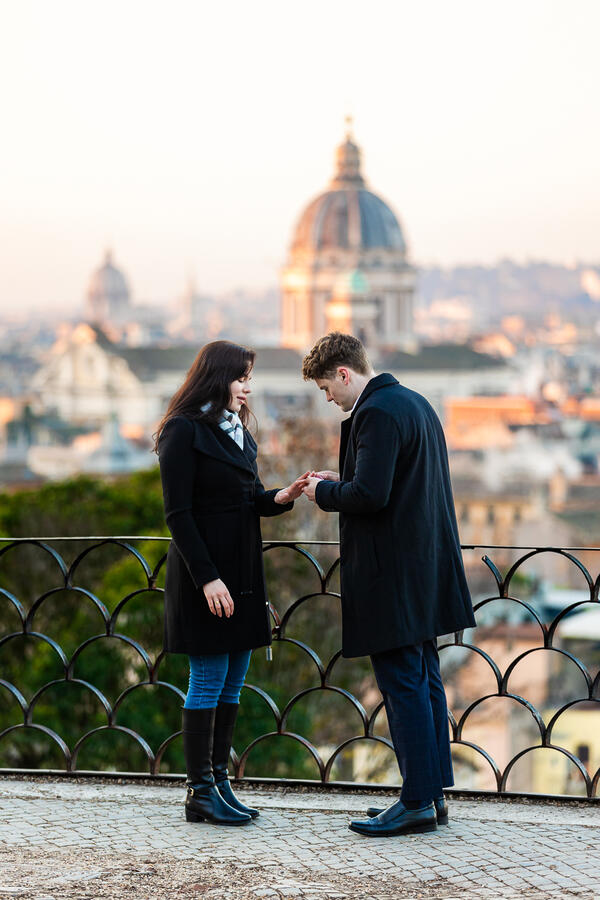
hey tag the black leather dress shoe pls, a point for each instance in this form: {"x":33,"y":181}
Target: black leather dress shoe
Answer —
{"x":397,"y":819}
{"x":441,"y":811}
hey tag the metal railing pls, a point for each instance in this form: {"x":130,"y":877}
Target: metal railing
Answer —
{"x":518,"y":687}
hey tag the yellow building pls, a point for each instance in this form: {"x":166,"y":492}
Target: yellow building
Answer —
{"x":578,"y":731}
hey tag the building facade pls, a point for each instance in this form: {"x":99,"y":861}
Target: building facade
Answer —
{"x":347,"y":268}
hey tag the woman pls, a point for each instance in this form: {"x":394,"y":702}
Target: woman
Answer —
{"x":216,"y":610}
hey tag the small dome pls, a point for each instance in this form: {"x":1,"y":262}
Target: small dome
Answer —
{"x":108,"y":286}
{"x":348,"y":216}
{"x":351,"y":283}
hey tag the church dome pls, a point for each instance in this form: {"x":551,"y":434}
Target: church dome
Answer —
{"x":348,"y":216}
{"x":108,"y":292}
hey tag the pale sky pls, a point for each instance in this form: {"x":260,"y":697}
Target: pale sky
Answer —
{"x":188,"y":135}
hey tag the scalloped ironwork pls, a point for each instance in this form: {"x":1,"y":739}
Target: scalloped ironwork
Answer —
{"x":546,"y":722}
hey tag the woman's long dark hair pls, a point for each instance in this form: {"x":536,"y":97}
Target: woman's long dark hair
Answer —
{"x":216,"y":366}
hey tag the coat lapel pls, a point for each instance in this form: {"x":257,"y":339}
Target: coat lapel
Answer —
{"x":250,"y":449}
{"x":380,"y":381}
{"x":344,"y":437}
{"x":212,"y":441}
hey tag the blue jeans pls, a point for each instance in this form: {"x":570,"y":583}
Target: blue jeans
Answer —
{"x":410,"y":682}
{"x":216,"y":677}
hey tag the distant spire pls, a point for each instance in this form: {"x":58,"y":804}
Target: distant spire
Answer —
{"x":191,"y":280}
{"x":349,"y":120}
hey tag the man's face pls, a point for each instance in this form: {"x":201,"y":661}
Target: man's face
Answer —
{"x":339,"y":388}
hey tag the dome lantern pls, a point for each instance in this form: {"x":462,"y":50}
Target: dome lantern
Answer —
{"x":348,"y":162}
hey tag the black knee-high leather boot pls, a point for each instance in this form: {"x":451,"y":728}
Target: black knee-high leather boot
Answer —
{"x":204,"y":802}
{"x":224,"y":726}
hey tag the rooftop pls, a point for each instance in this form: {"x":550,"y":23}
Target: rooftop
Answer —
{"x":147,"y":362}
{"x":440,"y":356}
{"x":83,"y":839}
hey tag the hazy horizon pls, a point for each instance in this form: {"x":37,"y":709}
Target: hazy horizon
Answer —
{"x":189,"y":138}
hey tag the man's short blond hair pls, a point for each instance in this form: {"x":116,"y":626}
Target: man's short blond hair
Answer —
{"x":334,"y":350}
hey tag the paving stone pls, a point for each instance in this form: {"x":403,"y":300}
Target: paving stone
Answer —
{"x":490,"y":849}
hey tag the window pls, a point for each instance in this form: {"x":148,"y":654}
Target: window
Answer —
{"x":583,"y":752}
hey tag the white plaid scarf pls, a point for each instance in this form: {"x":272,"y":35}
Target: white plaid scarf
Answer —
{"x":231,"y":424}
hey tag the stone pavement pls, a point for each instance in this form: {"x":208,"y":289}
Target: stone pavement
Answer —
{"x":78,"y":838}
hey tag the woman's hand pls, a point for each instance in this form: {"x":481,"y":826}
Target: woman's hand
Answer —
{"x":218,"y":598}
{"x":292,"y":491}
{"x":310,"y":488}
{"x":327,"y":475}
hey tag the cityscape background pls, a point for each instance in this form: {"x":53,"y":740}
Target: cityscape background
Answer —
{"x":424,"y":177}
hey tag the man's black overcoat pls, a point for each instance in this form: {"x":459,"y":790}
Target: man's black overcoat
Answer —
{"x":402,"y":575}
{"x":213,"y":500}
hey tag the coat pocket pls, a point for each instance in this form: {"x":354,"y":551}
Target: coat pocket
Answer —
{"x":222,"y":533}
{"x":360,"y":561}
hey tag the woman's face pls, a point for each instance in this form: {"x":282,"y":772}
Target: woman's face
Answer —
{"x":238,"y":392}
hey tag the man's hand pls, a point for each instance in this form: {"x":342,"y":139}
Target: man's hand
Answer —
{"x":218,"y":598}
{"x":292,"y":491}
{"x":327,"y":475}
{"x":311,"y":485}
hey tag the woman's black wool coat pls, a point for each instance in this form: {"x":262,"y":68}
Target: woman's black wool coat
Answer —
{"x":213,"y":502}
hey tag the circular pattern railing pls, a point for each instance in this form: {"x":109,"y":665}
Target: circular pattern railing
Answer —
{"x":491,"y":751}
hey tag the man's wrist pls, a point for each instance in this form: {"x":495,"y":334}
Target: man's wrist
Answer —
{"x":317,"y":486}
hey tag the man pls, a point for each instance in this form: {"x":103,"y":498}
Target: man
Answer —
{"x":401,"y":569}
